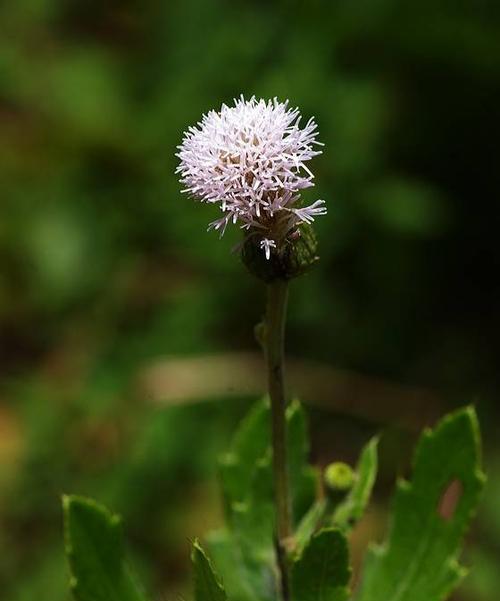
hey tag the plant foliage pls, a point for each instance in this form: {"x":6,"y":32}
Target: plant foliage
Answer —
{"x":418,"y":561}
{"x":94,"y":547}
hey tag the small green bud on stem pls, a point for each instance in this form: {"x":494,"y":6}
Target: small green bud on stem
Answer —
{"x":339,"y":477}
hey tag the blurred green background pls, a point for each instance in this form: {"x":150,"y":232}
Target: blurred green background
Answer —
{"x":126,"y":330}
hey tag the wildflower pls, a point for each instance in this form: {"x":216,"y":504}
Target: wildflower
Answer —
{"x":250,"y":159}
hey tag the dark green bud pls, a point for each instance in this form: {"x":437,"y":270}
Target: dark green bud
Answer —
{"x":295,"y":255}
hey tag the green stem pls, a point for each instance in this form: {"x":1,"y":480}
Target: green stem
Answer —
{"x":277,"y":293}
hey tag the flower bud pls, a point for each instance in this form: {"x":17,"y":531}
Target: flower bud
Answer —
{"x":296,"y":256}
{"x":339,"y":476}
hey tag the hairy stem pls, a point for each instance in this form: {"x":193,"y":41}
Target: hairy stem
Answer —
{"x":277,"y":293}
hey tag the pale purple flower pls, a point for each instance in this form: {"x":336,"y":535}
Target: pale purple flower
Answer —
{"x":307,"y":214}
{"x":266,"y":245}
{"x":250,"y":159}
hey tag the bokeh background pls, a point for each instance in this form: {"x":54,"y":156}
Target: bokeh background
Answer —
{"x":126,"y":330}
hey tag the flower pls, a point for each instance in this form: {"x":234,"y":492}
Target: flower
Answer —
{"x":250,"y":159}
{"x":267,"y":244}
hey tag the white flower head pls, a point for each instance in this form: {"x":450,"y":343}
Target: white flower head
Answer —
{"x":251,"y":159}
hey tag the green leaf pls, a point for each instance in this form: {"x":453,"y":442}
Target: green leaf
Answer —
{"x":351,"y":509}
{"x":250,"y":443}
{"x":247,"y":546}
{"x":252,"y":528}
{"x":303,"y":477}
{"x":253,"y":521}
{"x":206,"y":584}
{"x":242,"y":579}
{"x":419,"y":561}
{"x":247,"y":477}
{"x":310,"y":523}
{"x":95,"y":551}
{"x":322,"y":571}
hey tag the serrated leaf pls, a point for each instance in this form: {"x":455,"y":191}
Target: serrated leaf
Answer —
{"x":206,"y":584}
{"x":253,"y":519}
{"x":322,"y":571}
{"x":419,"y":561}
{"x":247,"y":475}
{"x":95,"y":551}
{"x":351,"y":509}
{"x":252,"y":443}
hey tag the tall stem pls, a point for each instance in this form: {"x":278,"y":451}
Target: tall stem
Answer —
{"x":277,"y":293}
